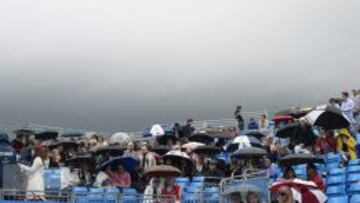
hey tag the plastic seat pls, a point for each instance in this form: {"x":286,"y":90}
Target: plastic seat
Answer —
{"x":338,"y":199}
{"x":335,"y":180}
{"x":129,"y":191}
{"x":182,"y":180}
{"x":336,"y":190}
{"x":337,"y":171}
{"x":332,"y":165}
{"x":353,"y":178}
{"x":353,"y":169}
{"x":111,"y":194}
{"x":355,"y":199}
{"x":79,"y":189}
{"x":333,"y":158}
{"x":198,"y":179}
{"x":354,"y":189}
{"x":354,"y":162}
{"x":301,"y":173}
{"x":196,"y":184}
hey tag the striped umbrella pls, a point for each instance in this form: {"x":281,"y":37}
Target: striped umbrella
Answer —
{"x":303,"y":191}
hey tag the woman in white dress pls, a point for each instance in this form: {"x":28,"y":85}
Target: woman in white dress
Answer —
{"x":35,"y":186}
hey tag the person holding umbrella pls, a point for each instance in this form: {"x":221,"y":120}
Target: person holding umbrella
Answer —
{"x":120,"y":178}
{"x":313,"y":176}
{"x":170,"y":188}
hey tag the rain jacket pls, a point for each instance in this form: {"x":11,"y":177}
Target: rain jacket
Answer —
{"x":344,"y":139}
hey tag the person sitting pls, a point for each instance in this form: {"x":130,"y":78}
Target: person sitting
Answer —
{"x":103,"y":178}
{"x":69,"y":177}
{"x":346,"y":144}
{"x":55,"y":159}
{"x":147,"y":159}
{"x":289,"y":173}
{"x":264,"y":122}
{"x":130,"y":151}
{"x":154,"y":188}
{"x":252,"y":197}
{"x":313,"y":176}
{"x":120,"y":178}
{"x":252,"y":124}
{"x":285,"y":195}
{"x":214,"y":171}
{"x":171,"y":188}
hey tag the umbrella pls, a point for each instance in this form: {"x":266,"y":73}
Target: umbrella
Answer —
{"x":191,"y":145}
{"x":281,"y":118}
{"x":288,"y":130}
{"x":249,"y":152}
{"x":241,"y":142}
{"x":160,"y":150}
{"x":65,"y":144}
{"x":157,"y":130}
{"x":327,"y":117}
{"x":202,"y":138}
{"x":120,"y":138}
{"x":79,"y":161}
{"x":303,"y":191}
{"x":112,"y":150}
{"x":301,"y":112}
{"x":162,"y":171}
{"x":297,"y":159}
{"x":46,"y":135}
{"x":163,"y":139}
{"x":257,"y":134}
{"x":176,"y":156}
{"x":129,"y":163}
{"x":24,"y":131}
{"x":72,"y":134}
{"x":207,"y":150}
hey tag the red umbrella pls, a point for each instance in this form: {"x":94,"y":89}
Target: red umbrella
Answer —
{"x":303,"y":191}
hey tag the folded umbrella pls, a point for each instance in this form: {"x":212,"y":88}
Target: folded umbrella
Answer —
{"x":298,"y":159}
{"x":162,"y":171}
{"x":328,"y":117}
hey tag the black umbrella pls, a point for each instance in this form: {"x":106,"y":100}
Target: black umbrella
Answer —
{"x":160,"y":150}
{"x":72,"y":135}
{"x":163,"y":139}
{"x":65,"y":144}
{"x":207,"y":150}
{"x":257,"y":134}
{"x":79,"y":161}
{"x":129,"y":163}
{"x":111,"y":150}
{"x":162,"y":171}
{"x":297,"y":159}
{"x":202,"y":138}
{"x":288,"y":130}
{"x":328,"y":117}
{"x":24,"y":131}
{"x":46,"y":135}
{"x":249,"y":152}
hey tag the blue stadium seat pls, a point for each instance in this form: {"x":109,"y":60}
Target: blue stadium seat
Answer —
{"x":353,"y":169}
{"x":79,"y":189}
{"x":182,"y":180}
{"x":111,"y":194}
{"x":333,"y":158}
{"x":191,"y":198}
{"x":196,"y":184}
{"x":336,"y":190}
{"x":338,"y":199}
{"x":355,"y":199}
{"x":301,"y":173}
{"x":330,"y":166}
{"x":353,"y":178}
{"x":335,"y":180}
{"x":96,"y":195}
{"x":198,"y":179}
{"x":52,"y":179}
{"x":354,"y":189}
{"x":337,"y":171}
{"x":354,"y":162}
{"x":191,"y":189}
{"x":129,"y":191}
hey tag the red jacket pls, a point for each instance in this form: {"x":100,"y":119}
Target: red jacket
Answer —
{"x":316,"y":178}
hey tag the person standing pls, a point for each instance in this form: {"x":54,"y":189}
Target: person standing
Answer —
{"x":239,"y":118}
{"x":347,"y":106}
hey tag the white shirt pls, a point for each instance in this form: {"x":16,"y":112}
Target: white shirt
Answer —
{"x":35,"y":179}
{"x":68,"y":178}
{"x":347,"y":107}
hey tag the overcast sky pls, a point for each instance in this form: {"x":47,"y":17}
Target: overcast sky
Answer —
{"x":117,"y":65}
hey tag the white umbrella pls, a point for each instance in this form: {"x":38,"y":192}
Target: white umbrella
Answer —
{"x":192,"y":145}
{"x":120,"y":138}
{"x":157,"y":130}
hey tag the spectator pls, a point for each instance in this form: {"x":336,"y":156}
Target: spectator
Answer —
{"x":19,"y":142}
{"x":187,"y":130}
{"x":325,"y":143}
{"x":346,"y":144}
{"x":130,"y":151}
{"x":214,"y":171}
{"x":252,"y":197}
{"x":313,"y":176}
{"x":171,"y":188}
{"x":69,"y":177}
{"x":264,"y":122}
{"x":147,"y":159}
{"x":347,"y":106}
{"x":154,"y":188}
{"x":285,"y":195}
{"x":55,"y":159}
{"x":120,"y":178}
{"x":200,"y":165}
{"x":252,"y":124}
{"x":103,"y":178}
{"x":289,"y":173}
{"x":7,"y":155}
{"x":239,"y":118}
{"x":35,"y":179}
{"x":356,"y":100}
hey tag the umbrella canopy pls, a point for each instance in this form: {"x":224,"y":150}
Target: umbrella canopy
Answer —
{"x":191,"y":145}
{"x":327,"y":117}
{"x":163,"y":139}
{"x":301,"y":112}
{"x":160,"y":150}
{"x":112,"y":150}
{"x":242,"y":141}
{"x":288,"y":130}
{"x":65,"y":145}
{"x":249,"y":152}
{"x":176,"y":156}
{"x":79,"y":161}
{"x":297,"y":159}
{"x":282,"y":118}
{"x":257,"y":134}
{"x":162,"y":171}
{"x":129,"y":163}
{"x":207,"y":150}
{"x":120,"y":138}
{"x":46,"y":135}
{"x":24,"y":131}
{"x":303,"y":191}
{"x":157,"y":130}
{"x":202,"y":138}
